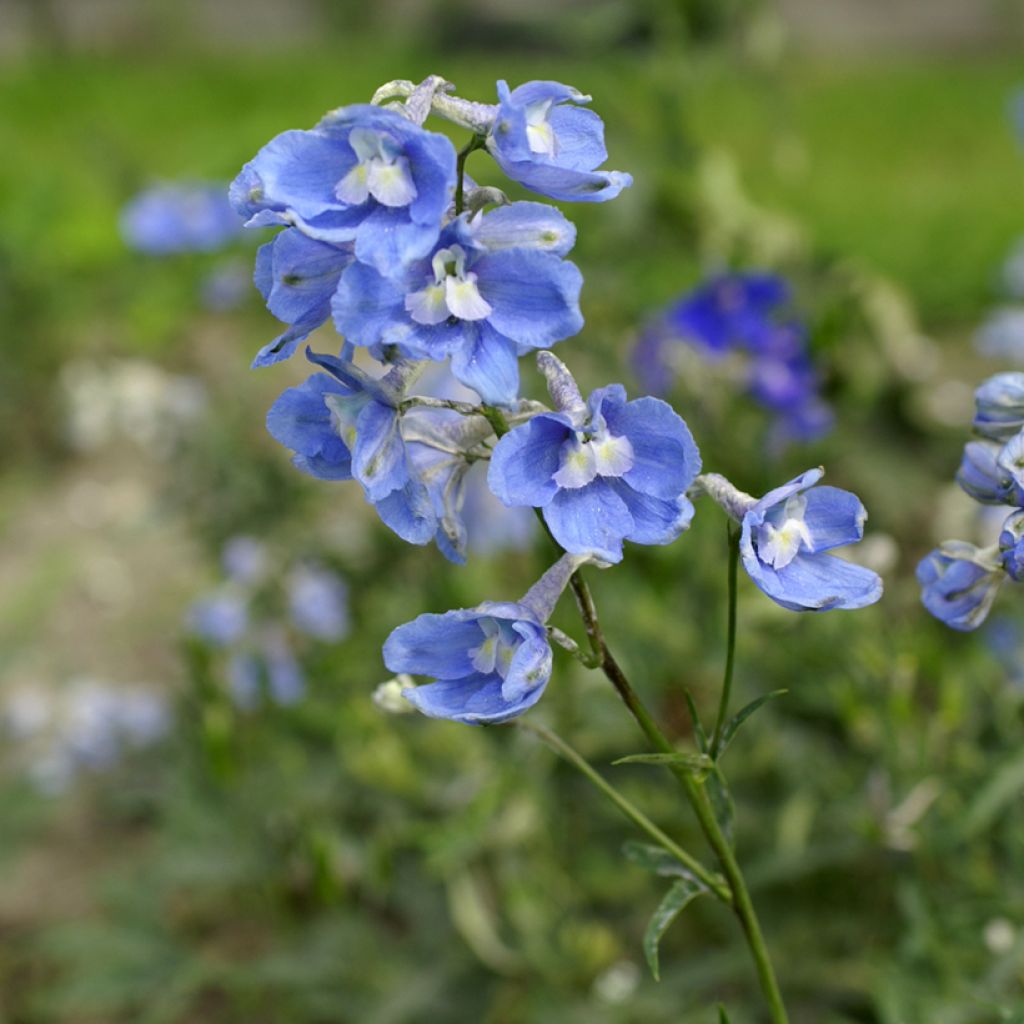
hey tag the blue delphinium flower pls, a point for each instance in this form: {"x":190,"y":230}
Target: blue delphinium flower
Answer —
{"x":785,"y":537}
{"x":178,"y":218}
{"x":221,"y":618}
{"x":491,"y":663}
{"x":999,"y":406}
{"x":365,"y":174}
{"x":543,"y":139}
{"x":318,"y":602}
{"x":603,"y":471}
{"x":484,"y":296}
{"x":959,"y":582}
{"x":297,"y":277}
{"x":988,"y":474}
{"x":1011,"y":546}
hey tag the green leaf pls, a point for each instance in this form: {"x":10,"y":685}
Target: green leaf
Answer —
{"x":723,"y":1017}
{"x":742,"y":715}
{"x":654,"y":858}
{"x":721,"y":803}
{"x":681,"y":893}
{"x":1005,"y":785}
{"x":698,"y":729}
{"x":695,"y":764}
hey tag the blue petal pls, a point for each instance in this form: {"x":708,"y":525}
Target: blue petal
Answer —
{"x":488,"y":363}
{"x":525,"y":460}
{"x":655,"y":520}
{"x":366,"y":305}
{"x":474,"y":700}
{"x":531,"y":664}
{"x":564,"y":183}
{"x":388,"y":240}
{"x":812,"y":582}
{"x":591,"y":519}
{"x":535,"y":295}
{"x":764,"y":505}
{"x":665,"y":456}
{"x":435,"y":645}
{"x":956,"y":590}
{"x":409,"y":512}
{"x":525,"y":226}
{"x":580,"y":137}
{"x":432,"y":161}
{"x":303,"y":277}
{"x":378,"y":456}
{"x":301,"y":421}
{"x":834,"y":517}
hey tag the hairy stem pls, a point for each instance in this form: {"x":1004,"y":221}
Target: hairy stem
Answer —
{"x":714,"y":883}
{"x":733,"y":535}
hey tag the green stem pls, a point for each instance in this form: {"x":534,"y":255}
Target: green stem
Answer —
{"x":476,"y":142}
{"x":696,"y":794}
{"x":630,"y":810}
{"x":730,"y":649}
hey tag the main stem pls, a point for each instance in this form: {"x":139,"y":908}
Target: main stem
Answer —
{"x":476,"y":142}
{"x":730,"y":648}
{"x":742,"y":904}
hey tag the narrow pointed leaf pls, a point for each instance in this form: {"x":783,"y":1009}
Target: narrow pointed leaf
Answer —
{"x":681,"y":893}
{"x":721,"y":803}
{"x":654,"y":858}
{"x":696,"y":764}
{"x":742,"y":715}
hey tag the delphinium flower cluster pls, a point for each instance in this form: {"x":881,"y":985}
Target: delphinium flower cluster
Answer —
{"x":258,"y":627}
{"x":744,"y":312}
{"x":384,"y":234}
{"x":959,"y":580}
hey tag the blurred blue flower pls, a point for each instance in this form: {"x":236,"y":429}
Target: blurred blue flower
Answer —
{"x":179,"y":218}
{"x":221,"y":618}
{"x":959,"y":582}
{"x":318,"y":602}
{"x":785,"y":536}
{"x":285,"y":678}
{"x":481,"y":301}
{"x":1001,"y":336}
{"x":544,"y":140}
{"x":601,"y":472}
{"x":365,"y":174}
{"x":225,"y":288}
{"x":245,"y":559}
{"x":491,"y":663}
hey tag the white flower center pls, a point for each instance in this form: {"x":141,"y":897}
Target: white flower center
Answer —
{"x":382,"y":172}
{"x":454,"y":292}
{"x":496,"y":652}
{"x":778,"y":544}
{"x":585,"y":457}
{"x":540,"y":136}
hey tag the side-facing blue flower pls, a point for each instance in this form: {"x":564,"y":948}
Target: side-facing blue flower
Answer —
{"x":177,"y":218}
{"x":297,"y":276}
{"x":346,"y":424}
{"x":784,"y":538}
{"x":494,"y":287}
{"x":364,"y":174}
{"x":544,"y":140}
{"x":988,"y":475}
{"x":490,"y":663}
{"x":601,"y":472}
{"x":959,"y":582}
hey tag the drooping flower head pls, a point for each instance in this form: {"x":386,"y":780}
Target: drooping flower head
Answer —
{"x":178,"y":218}
{"x":365,"y":175}
{"x":602,"y":472}
{"x":490,"y":663}
{"x":543,"y":139}
{"x":959,"y":582}
{"x":494,"y":287}
{"x":785,"y":537}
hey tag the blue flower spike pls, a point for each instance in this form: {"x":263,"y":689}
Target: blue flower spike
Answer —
{"x":544,"y":139}
{"x":786,"y":536}
{"x":602,"y":471}
{"x":959,"y":582}
{"x":490,"y":663}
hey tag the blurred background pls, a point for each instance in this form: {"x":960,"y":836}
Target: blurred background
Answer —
{"x":204,"y":815}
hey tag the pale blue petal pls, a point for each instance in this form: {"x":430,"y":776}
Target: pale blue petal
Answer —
{"x":435,"y":645}
{"x":593,"y":519}
{"x":487,"y":362}
{"x":474,"y":700}
{"x":378,"y":457}
{"x":525,"y":226}
{"x":526,"y":459}
{"x":655,"y":520}
{"x":366,"y":305}
{"x":834,"y":517}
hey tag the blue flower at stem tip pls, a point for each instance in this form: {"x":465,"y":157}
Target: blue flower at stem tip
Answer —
{"x":959,"y":582}
{"x":365,"y":175}
{"x":785,"y":537}
{"x":542,"y":138}
{"x":602,"y":472}
{"x":494,"y":287}
{"x":490,"y":663}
